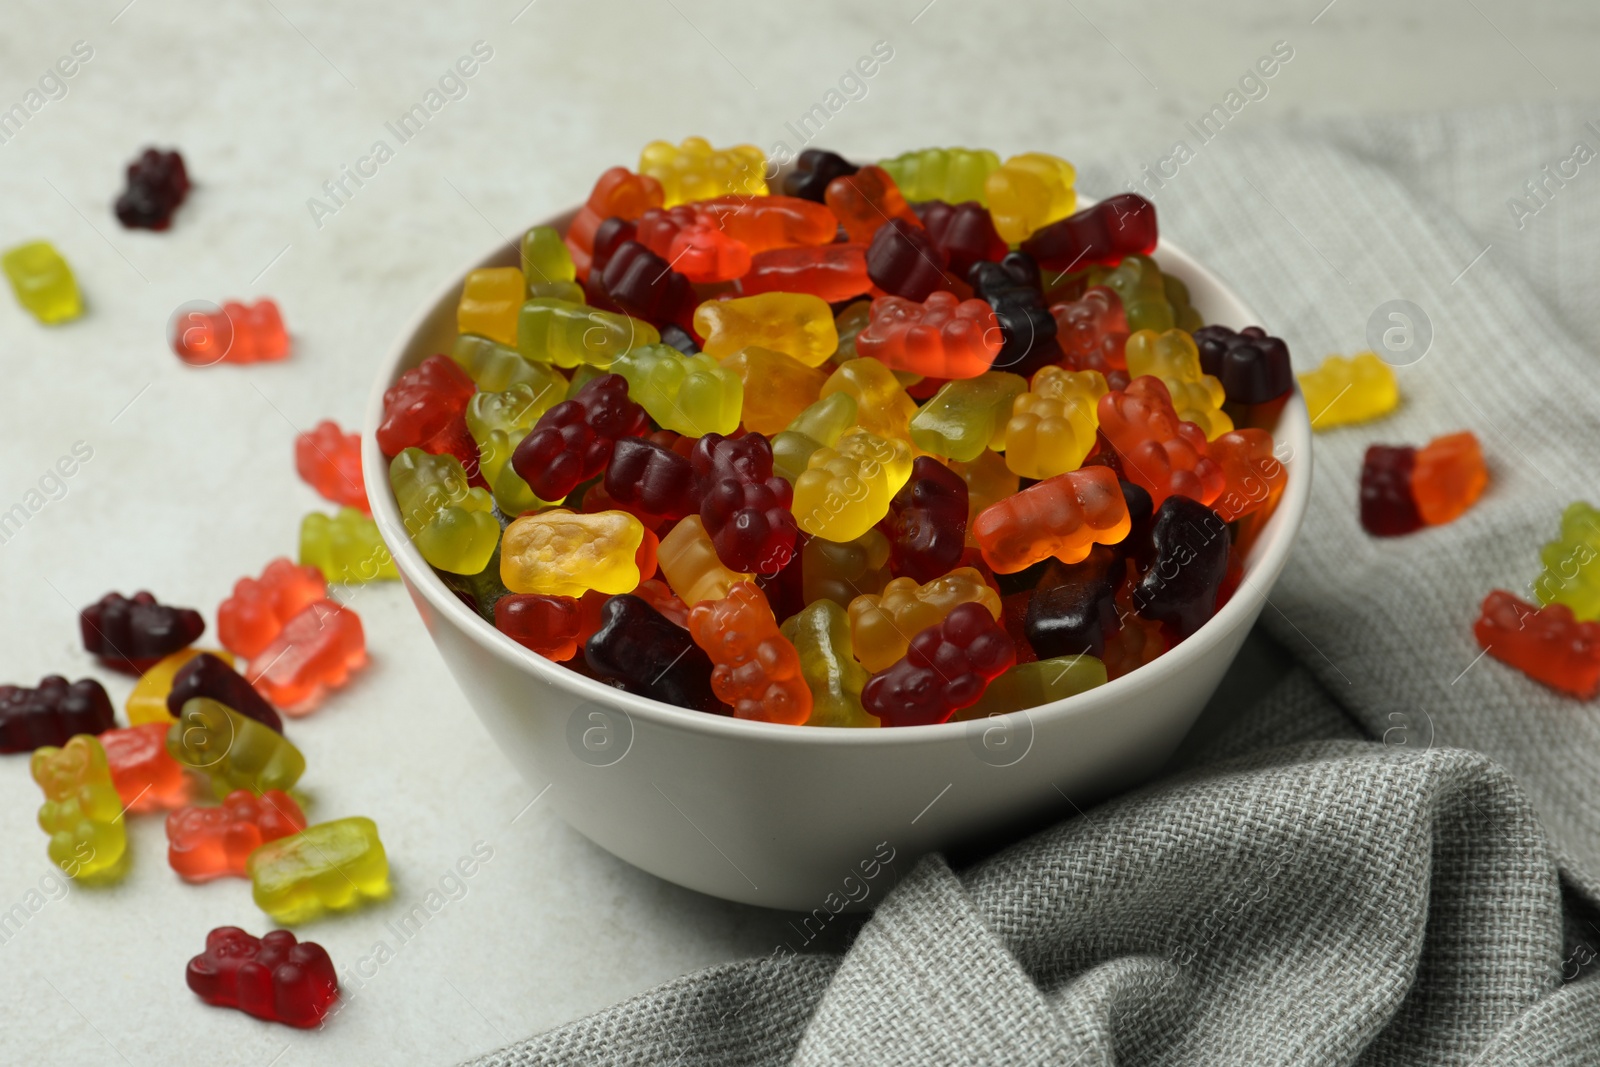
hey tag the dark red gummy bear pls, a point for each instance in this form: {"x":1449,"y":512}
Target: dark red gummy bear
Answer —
{"x":813,"y":171}
{"x":157,"y":184}
{"x":274,"y":977}
{"x":1118,"y":226}
{"x":573,"y":441}
{"x":131,"y":634}
{"x":744,"y":505}
{"x":965,"y":232}
{"x":210,"y":676}
{"x":642,"y":284}
{"x":927,"y":524}
{"x":651,"y":478}
{"x":426,"y":409}
{"x":903,"y":260}
{"x":1253,"y":368}
{"x":1191,"y":558}
{"x":946,"y":668}
{"x":640,"y":650}
{"x":1387,"y":507}
{"x":52,"y":713}
{"x":1074,"y":608}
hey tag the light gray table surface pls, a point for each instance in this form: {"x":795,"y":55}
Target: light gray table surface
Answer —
{"x":191,"y":482}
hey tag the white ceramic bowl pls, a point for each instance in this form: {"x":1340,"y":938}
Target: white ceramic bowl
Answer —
{"x":808,"y":818}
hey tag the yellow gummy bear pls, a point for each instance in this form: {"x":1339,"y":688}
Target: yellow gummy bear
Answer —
{"x":451,"y":523}
{"x":569,"y":334}
{"x":81,"y":811}
{"x":491,"y":299}
{"x":693,"y":170}
{"x":797,"y":324}
{"x":845,"y":491}
{"x":821,"y":635}
{"x":566,"y":553}
{"x":331,"y":866}
{"x":1342,"y":391}
{"x":882,"y":625}
{"x":1030,"y":191}
{"x":777,"y":387}
{"x":1173,"y":357}
{"x":148,"y":701}
{"x":690,"y":564}
{"x":43,"y":282}
{"x":1053,"y":424}
{"x":883,"y":406}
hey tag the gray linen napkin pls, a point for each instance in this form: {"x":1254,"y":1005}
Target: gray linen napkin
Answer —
{"x":1299,"y":894}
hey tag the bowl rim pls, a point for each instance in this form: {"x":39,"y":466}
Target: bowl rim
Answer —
{"x":1270,"y":554}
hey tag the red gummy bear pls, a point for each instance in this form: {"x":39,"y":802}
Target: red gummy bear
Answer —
{"x":659,"y":595}
{"x":946,"y":668}
{"x":549,"y":625}
{"x":941,"y":337}
{"x":145,"y":774}
{"x":755,"y":669}
{"x":832,"y":272}
{"x":1160,"y":453}
{"x":693,"y":243}
{"x":215,"y":841}
{"x":250,"y":619}
{"x":274,"y":977}
{"x":572,"y":442}
{"x":426,"y":409}
{"x":315,"y":652}
{"x":1093,"y":330}
{"x":330,"y":462}
{"x":1548,"y":645}
{"x":239,"y":333}
{"x":131,"y":633}
{"x":865,"y":200}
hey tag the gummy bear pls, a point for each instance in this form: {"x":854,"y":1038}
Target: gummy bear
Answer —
{"x":1191,"y":556}
{"x":572,"y":441}
{"x":1012,"y":287}
{"x":691,"y":566}
{"x":693,"y":395}
{"x":157,"y":184}
{"x":564,"y":553}
{"x":1252,"y":476}
{"x":941,"y":337}
{"x":1093,"y":331}
{"x":208,"y":676}
{"x":963,"y":232}
{"x":797,"y":324}
{"x":1547,"y":644}
{"x":132,"y":634}
{"x":547,"y":264}
{"x":1173,"y":357}
{"x":842,"y":571}
{"x":659,"y":595}
{"x":148,"y":700}
{"x":777,"y":387}
{"x":232,"y":751}
{"x":618,"y":193}
{"x":1052,"y":425}
{"x":332,"y":866}
{"x":1448,"y":477}
{"x":1387,"y":507}
{"x":52,"y":712}
{"x":819,"y":425}
{"x":1028,"y":192}
{"x":1035,"y":684}
{"x":813,"y":171}
{"x":865,"y":200}
{"x":702,"y":251}
{"x":1252,"y":366}
{"x":81,"y":812}
{"x":903,"y":261}
{"x":316,"y":651}
{"x":451,"y":523}
{"x":345,"y":547}
{"x":424,"y":408}
{"x":498,"y":422}
{"x":330,"y":462}
{"x":846,"y":490}
{"x":764,"y":223}
{"x":204,"y":843}
{"x":1570,"y":575}
{"x":882,"y":406}
{"x":650,"y":479}
{"x":644,"y":285}
{"x":744,"y":506}
{"x":273,"y":977}
{"x":1063,"y":516}
{"x":573,"y":335}
{"x":755,"y":669}
{"x":1163,"y":455}
{"x":491,"y":298}
{"x":236,"y":333}
{"x":948,"y":174}
{"x":146,"y":776}
{"x":945,"y":668}
{"x":821,"y":638}
{"x":43,"y":282}
{"x":829,"y":272}
{"x":967,"y":416}
{"x":641,"y":651}
{"x":1103,"y":234}
{"x":928,"y":521}
{"x":1074,"y":607}
{"x":549,"y":625}
{"x":882,"y":625}
{"x":693,"y":170}
{"x":1343,"y":391}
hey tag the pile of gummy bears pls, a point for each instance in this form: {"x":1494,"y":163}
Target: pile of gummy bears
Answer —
{"x":910,"y":441}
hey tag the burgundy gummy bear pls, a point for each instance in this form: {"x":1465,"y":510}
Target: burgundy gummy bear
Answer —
{"x":274,"y":977}
{"x":1191,"y":558}
{"x":903,"y":260}
{"x":1387,"y":507}
{"x":52,"y":713}
{"x":946,"y":668}
{"x":965,"y":232}
{"x":744,"y":505}
{"x":210,"y":676}
{"x":652,"y":478}
{"x":813,"y":171}
{"x":157,"y":184}
{"x":131,"y":634}
{"x":642,"y":284}
{"x":573,"y":441}
{"x":927,"y":524}
{"x":1252,"y":366}
{"x":1118,"y":226}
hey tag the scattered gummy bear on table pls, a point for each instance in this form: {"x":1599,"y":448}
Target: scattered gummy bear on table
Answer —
{"x":841,"y":448}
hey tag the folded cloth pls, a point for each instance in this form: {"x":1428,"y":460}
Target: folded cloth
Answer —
{"x":1394,"y":857}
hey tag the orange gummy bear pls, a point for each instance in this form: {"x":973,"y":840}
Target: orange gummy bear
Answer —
{"x":1062,"y":517}
{"x":1161,"y":453}
{"x":1252,"y":476}
{"x":1448,"y":477}
{"x":755,"y":668}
